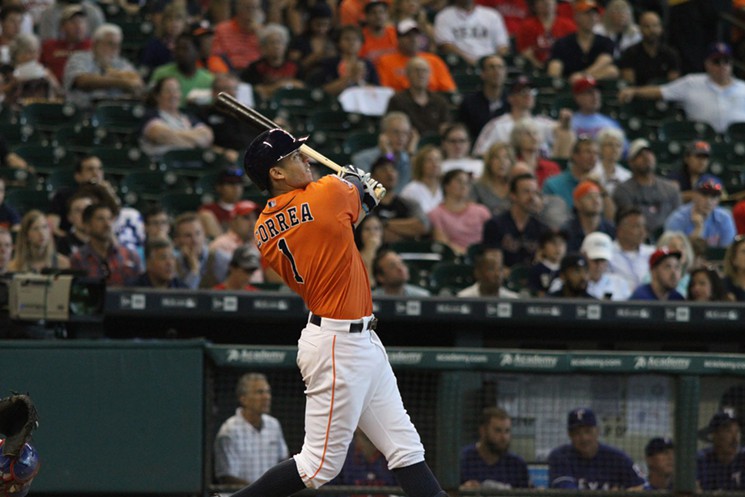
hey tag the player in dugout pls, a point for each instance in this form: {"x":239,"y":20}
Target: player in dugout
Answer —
{"x":306,"y":234}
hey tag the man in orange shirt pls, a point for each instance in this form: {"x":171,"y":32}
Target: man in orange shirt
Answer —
{"x":236,"y":40}
{"x":306,"y":234}
{"x":379,"y":35}
{"x":392,"y":67}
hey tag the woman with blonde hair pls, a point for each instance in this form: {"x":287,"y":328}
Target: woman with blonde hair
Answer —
{"x":525,"y":139}
{"x":492,"y":189}
{"x":35,"y":249}
{"x":618,"y":25}
{"x":426,"y":172}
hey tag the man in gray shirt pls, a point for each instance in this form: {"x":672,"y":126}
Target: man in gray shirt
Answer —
{"x":655,"y":196}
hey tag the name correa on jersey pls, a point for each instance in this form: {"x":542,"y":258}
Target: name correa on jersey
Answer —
{"x":281,"y":222}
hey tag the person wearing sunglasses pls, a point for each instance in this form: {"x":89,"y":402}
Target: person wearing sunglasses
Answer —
{"x":714,"y":97}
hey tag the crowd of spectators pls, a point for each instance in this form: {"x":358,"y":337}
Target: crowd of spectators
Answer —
{"x":533,"y":200}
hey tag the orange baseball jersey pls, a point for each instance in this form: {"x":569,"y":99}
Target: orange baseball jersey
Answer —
{"x":375,"y":47}
{"x":307,"y":237}
{"x":392,"y":72}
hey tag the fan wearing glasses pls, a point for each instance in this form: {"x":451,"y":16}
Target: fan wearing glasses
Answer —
{"x":714,"y":97}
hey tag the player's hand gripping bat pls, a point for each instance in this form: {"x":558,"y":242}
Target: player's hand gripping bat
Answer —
{"x":230,"y":105}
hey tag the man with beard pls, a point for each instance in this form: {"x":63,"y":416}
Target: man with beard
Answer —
{"x":517,"y":230}
{"x":664,"y":268}
{"x":587,"y":464}
{"x":574,"y":277}
{"x":655,"y":196}
{"x":650,"y":59}
{"x":721,"y":466}
{"x":488,"y":462}
{"x":101,"y":256}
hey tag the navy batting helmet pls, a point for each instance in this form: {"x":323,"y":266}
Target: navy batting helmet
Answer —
{"x":265,"y":151}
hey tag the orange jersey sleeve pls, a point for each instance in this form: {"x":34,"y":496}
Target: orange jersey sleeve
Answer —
{"x":307,"y":237}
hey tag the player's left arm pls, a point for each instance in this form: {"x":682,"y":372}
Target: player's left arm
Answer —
{"x":367,"y":189}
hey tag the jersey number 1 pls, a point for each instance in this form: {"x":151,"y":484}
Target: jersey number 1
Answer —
{"x":286,"y":251}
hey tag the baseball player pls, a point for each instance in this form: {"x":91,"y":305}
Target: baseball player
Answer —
{"x":305,"y":234}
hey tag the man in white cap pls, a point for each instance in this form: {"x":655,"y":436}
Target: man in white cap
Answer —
{"x":597,"y":247}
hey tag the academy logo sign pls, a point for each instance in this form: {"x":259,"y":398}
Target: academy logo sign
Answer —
{"x":666,"y":362}
{"x":528,"y":361}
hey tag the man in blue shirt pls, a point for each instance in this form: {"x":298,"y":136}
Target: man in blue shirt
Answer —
{"x":722,"y":466}
{"x":488,"y":462}
{"x":703,"y":218}
{"x":583,"y":160}
{"x":587,"y":464}
{"x":665,"y":271}
{"x":587,"y":120}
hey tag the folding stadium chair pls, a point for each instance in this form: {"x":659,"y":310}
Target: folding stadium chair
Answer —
{"x":18,"y":178}
{"x":24,"y":200}
{"x":423,"y":254}
{"x":359,"y":140}
{"x":120,"y":118}
{"x":120,"y":161}
{"x":466,"y":82}
{"x":135,"y":34}
{"x":48,"y":117}
{"x":45,"y":159}
{"x":60,"y":178}
{"x":191,"y":162}
{"x":684,"y":131}
{"x":297,"y":104}
{"x":18,"y":134}
{"x":518,"y":279}
{"x":335,"y":125}
{"x":176,"y":203}
{"x":447,"y":278}
{"x":80,"y":139}
{"x":150,"y":186}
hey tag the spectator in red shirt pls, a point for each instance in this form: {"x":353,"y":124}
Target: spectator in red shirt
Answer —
{"x":538,"y":32}
{"x":74,"y":36}
{"x":229,"y":188}
{"x":273,"y":70}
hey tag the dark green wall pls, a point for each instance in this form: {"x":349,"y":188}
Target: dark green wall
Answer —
{"x":113,"y":417}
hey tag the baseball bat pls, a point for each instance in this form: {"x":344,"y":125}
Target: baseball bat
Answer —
{"x":228,"y":103}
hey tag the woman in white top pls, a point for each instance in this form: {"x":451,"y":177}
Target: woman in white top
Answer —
{"x":426,"y":172}
{"x":166,"y":127}
{"x":608,"y":172}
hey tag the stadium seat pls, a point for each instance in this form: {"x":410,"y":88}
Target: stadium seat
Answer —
{"x":359,"y":140}
{"x":518,"y":279}
{"x":136,"y":33}
{"x":734,"y":178}
{"x":45,"y":159}
{"x":121,"y":118}
{"x":177,"y":202}
{"x":191,"y":162}
{"x":120,"y":161}
{"x":466,"y":82}
{"x":335,"y":125}
{"x":297,"y":104}
{"x":684,"y":131}
{"x":48,"y":117}
{"x":24,"y":200}
{"x":60,"y":178}
{"x":18,"y":178}
{"x":562,"y":101}
{"x":17,"y":134}
{"x":447,"y":278}
{"x":150,"y":186}
{"x":80,"y":139}
{"x":456,"y":63}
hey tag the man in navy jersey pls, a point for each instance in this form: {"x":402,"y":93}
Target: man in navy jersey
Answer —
{"x":722,"y":466}
{"x":488,"y":462}
{"x":587,"y":464}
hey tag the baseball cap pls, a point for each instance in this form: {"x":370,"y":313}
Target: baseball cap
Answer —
{"x":582,"y":416}
{"x":585,"y":5}
{"x":657,"y":445}
{"x":521,"y":83}
{"x":71,"y":11}
{"x":637,"y":146}
{"x":698,"y":147}
{"x":230,"y":175}
{"x":242,"y":208}
{"x":406,"y":26}
{"x":583,"y":84}
{"x":372,"y":3}
{"x":597,"y":245}
{"x":245,"y":258}
{"x":661,"y":254}
{"x":718,"y":50}
{"x":583,"y":189}
{"x":709,"y":186}
{"x":719,"y":419}
{"x":572,"y":260}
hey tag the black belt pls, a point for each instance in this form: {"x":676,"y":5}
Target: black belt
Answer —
{"x":353,"y":327}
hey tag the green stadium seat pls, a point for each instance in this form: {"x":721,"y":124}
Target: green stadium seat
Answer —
{"x":45,"y":159}
{"x":48,"y":117}
{"x":518,"y":279}
{"x":120,"y":161}
{"x":176,"y":203}
{"x":60,"y":178}
{"x":150,"y":186}
{"x":359,"y":140}
{"x":80,"y":139}
{"x":24,"y":200}
{"x":17,"y":134}
{"x":18,"y":178}
{"x":447,"y":278}
{"x":191,"y":162}
{"x":122,"y":118}
{"x":685,"y":131}
{"x":466,"y":82}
